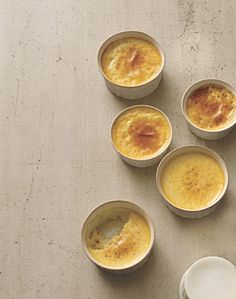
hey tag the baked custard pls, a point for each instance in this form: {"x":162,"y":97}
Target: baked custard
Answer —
{"x":192,"y":181}
{"x":122,"y":237}
{"x":131,"y":61}
{"x":211,"y":107}
{"x":140,"y":132}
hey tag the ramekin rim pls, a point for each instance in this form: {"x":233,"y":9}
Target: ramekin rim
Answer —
{"x":142,"y":257}
{"x":158,"y":46}
{"x":204,"y":82}
{"x":210,"y":257}
{"x":214,"y":155}
{"x":156,"y":154}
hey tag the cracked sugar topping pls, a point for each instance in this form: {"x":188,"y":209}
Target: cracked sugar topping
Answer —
{"x":211,"y":107}
{"x":131,"y":61}
{"x":140,"y":132}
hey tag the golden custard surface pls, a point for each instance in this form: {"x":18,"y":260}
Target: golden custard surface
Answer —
{"x":126,"y":245}
{"x":131,"y":61}
{"x":140,"y":132}
{"x":192,"y":180}
{"x":211,"y":107}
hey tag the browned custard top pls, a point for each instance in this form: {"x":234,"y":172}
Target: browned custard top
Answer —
{"x":120,"y":239}
{"x":140,"y":132}
{"x":211,"y":107}
{"x":144,"y":134}
{"x":131,"y":61}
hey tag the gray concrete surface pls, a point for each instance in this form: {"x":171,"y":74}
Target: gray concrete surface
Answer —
{"x":56,"y":161}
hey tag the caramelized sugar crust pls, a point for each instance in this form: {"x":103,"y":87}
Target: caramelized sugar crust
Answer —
{"x":131,"y":61}
{"x":211,"y":107}
{"x":145,"y":134}
{"x":192,"y":180}
{"x":140,"y":132}
{"x":125,"y":246}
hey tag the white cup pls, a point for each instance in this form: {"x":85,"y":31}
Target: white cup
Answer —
{"x":132,"y":92}
{"x":200,"y":132}
{"x":90,"y":224}
{"x":208,"y":278}
{"x":148,"y":161}
{"x":184,"y":212}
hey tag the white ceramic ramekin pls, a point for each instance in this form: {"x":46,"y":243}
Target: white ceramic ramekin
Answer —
{"x":148,"y":161}
{"x":213,"y":263}
{"x":90,"y":224}
{"x":184,"y":212}
{"x":200,"y":132}
{"x":131,"y":92}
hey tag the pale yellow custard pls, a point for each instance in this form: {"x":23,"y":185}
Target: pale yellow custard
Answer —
{"x":140,"y":132}
{"x":192,"y":181}
{"x":211,"y":107}
{"x":121,"y":239}
{"x":131,"y":61}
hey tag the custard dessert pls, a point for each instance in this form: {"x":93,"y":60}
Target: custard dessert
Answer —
{"x":192,"y":181}
{"x":131,"y":61}
{"x":140,"y":132}
{"x":122,"y":237}
{"x":211,"y":107}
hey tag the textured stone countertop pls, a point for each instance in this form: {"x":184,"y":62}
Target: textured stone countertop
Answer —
{"x":56,"y":160}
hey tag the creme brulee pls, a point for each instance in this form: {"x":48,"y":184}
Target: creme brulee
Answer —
{"x":120,"y":239}
{"x":211,"y":107}
{"x":140,"y":132}
{"x":131,"y":61}
{"x":192,"y":180}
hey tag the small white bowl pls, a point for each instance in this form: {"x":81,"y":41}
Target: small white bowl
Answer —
{"x":185,"y":212}
{"x":149,"y":161}
{"x":200,"y":132}
{"x":214,"y":271}
{"x":131,"y":92}
{"x":90,"y":223}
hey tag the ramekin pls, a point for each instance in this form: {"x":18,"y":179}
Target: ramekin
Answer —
{"x":148,"y":161}
{"x":183,"y":288}
{"x":90,"y":224}
{"x":131,"y":92}
{"x":200,"y":132}
{"x":185,"y":212}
